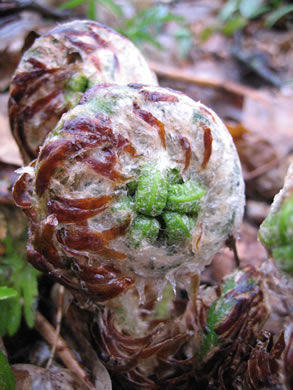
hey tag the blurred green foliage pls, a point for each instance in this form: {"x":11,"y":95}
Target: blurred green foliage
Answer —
{"x":7,"y":379}
{"x":236,"y":14}
{"x":145,"y":26}
{"x":18,"y":288}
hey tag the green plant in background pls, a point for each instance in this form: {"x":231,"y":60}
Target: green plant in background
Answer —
{"x":148,"y":24}
{"x":145,"y":26}
{"x":91,"y":7}
{"x":18,"y":288}
{"x":7,"y":379}
{"x":236,"y":14}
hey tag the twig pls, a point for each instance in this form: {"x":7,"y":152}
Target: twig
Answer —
{"x":261,"y":170}
{"x":265,"y":167}
{"x":58,"y":323}
{"x":13,"y":7}
{"x":186,"y":76}
{"x":49,"y":334}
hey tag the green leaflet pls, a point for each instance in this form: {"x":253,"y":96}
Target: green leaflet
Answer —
{"x":78,"y":83}
{"x":174,"y":177}
{"x":184,"y":198}
{"x":152,"y":190}
{"x":123,"y":209}
{"x":178,"y":226}
{"x":144,"y":228}
{"x":217,"y":312}
{"x":74,"y":89}
{"x":163,"y":193}
{"x":7,"y":379}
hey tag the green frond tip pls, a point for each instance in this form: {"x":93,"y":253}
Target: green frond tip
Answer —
{"x":218,"y":311}
{"x":185,"y":198}
{"x":78,"y":83}
{"x":178,"y":226}
{"x":7,"y":379}
{"x":143,"y":228}
{"x":152,"y":190}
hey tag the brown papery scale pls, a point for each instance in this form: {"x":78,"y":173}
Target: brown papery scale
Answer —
{"x":100,"y":238}
{"x":58,"y":68}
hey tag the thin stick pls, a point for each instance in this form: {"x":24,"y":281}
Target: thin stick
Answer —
{"x":186,"y":76}
{"x":265,"y":167}
{"x":66,"y":355}
{"x":58,"y":323}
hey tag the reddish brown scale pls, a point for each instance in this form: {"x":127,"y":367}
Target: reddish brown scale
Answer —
{"x":100,"y":274}
{"x":105,"y":169}
{"x":88,"y":48}
{"x":116,"y":231}
{"x":121,"y":337}
{"x":79,"y":33}
{"x":95,"y":130}
{"x":37,"y":260}
{"x":208,"y":113}
{"x":97,"y":62}
{"x":20,"y":192}
{"x":100,"y":41}
{"x":158,"y":96}
{"x":71,"y":214}
{"x":105,"y":281}
{"x":185,"y":145}
{"x":24,"y":90}
{"x":25,"y":77}
{"x":109,"y":290}
{"x":38,"y":105}
{"x":199,"y":237}
{"x":36,"y":64}
{"x":86,"y":203}
{"x":52,"y":156}
{"x":43,"y":242}
{"x":83,"y":239}
{"x":208,"y":142}
{"x":152,"y":121}
{"x":126,"y":145}
{"x":239,"y":308}
{"x":88,"y":133}
{"x":112,"y":350}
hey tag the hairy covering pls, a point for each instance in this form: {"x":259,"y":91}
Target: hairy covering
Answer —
{"x":81,"y":208}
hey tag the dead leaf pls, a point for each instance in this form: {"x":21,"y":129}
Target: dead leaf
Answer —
{"x":9,"y":152}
